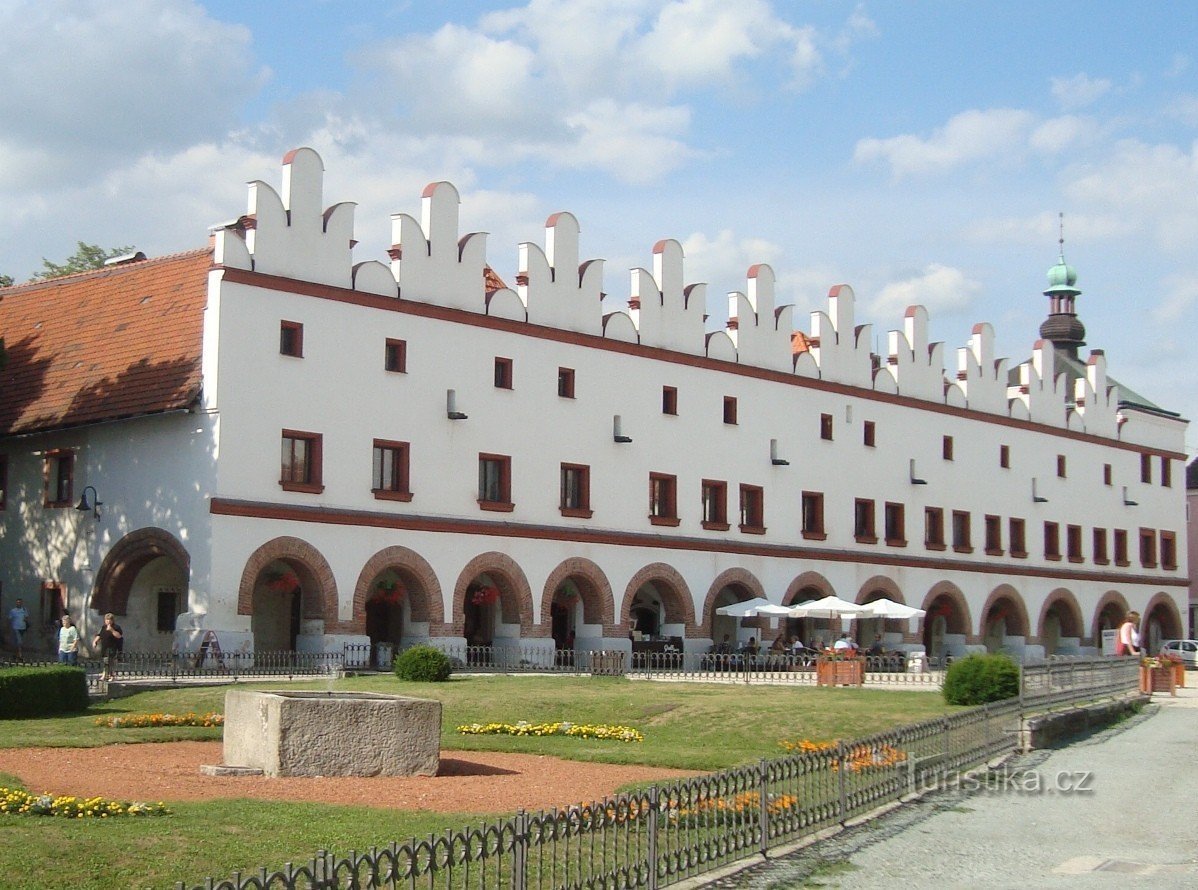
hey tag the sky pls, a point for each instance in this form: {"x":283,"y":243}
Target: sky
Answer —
{"x":920,"y":152}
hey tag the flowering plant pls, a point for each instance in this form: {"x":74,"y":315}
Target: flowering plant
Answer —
{"x":22,"y":803}
{"x":282,"y":582}
{"x":137,"y":721}
{"x":859,"y":757}
{"x":484,"y":596}
{"x":576,"y":730}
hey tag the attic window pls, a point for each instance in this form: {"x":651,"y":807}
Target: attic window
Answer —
{"x":291,"y":339}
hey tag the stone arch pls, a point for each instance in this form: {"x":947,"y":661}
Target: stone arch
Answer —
{"x":959,"y":621}
{"x":1011,"y":595}
{"x":1115,"y":606}
{"x":1074,"y":626}
{"x":598,"y":603}
{"x":314,"y":573}
{"x":126,"y":558}
{"x":1163,"y":610}
{"x":429,"y":606}
{"x":676,"y":599}
{"x":882,"y":586}
{"x":807,"y":579}
{"x":737,"y":577}
{"x":515,"y":593}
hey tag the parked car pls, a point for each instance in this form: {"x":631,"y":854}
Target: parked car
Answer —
{"x":1186,"y":650}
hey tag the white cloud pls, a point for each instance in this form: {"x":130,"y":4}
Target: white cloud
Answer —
{"x":939,"y":289}
{"x":967,"y":137}
{"x":1079,"y":91}
{"x":634,"y":143}
{"x":1044,"y":229}
{"x":1059,"y":134}
{"x":1179,"y":296}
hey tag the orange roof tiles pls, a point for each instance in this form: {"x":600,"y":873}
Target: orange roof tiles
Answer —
{"x":104,"y":345}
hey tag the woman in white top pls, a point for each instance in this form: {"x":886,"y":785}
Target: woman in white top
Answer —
{"x":1129,"y":634}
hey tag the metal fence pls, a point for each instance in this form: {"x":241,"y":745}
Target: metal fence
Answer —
{"x":687,"y":828}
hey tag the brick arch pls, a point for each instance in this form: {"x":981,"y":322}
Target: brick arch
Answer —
{"x":1110,"y":598}
{"x":313,"y":571}
{"x":1172,"y":627}
{"x":598,"y":603}
{"x":807,"y":579}
{"x":676,"y":598}
{"x":1007,"y":592}
{"x":882,"y":585}
{"x":128,"y":556}
{"x":960,"y":621}
{"x":424,"y":604}
{"x":1075,"y":625}
{"x":731,"y":578}
{"x":515,"y":594}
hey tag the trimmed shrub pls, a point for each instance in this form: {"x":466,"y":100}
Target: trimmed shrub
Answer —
{"x":981,"y":678}
{"x":423,"y":664}
{"x":38,"y":691}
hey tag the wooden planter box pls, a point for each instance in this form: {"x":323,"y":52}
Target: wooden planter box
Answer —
{"x":840,"y":672}
{"x":1159,"y":679}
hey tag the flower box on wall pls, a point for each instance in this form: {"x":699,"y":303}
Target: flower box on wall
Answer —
{"x":1158,"y":678}
{"x":833,"y":671}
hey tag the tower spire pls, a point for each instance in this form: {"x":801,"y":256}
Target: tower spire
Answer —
{"x":1062,"y":327}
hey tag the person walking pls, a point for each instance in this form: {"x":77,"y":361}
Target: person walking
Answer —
{"x":18,"y":621}
{"x":68,"y":642}
{"x":1128,"y":641}
{"x":110,"y":640}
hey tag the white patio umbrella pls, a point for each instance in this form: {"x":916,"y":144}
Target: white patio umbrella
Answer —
{"x":828,"y":607}
{"x":752,"y":608}
{"x":888,"y":608}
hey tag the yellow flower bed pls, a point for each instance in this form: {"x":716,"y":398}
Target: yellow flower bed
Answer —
{"x":577,"y":730}
{"x":860,"y":757}
{"x":22,"y":803}
{"x":139,"y":721}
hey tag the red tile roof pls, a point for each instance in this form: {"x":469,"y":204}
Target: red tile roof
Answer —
{"x":103,"y":345}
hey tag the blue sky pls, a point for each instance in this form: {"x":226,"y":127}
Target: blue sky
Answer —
{"x":918,"y":151}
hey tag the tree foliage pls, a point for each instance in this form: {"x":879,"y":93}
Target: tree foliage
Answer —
{"x":6,"y":281}
{"x":86,"y":256}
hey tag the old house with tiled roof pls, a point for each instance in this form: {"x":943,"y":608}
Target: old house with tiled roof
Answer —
{"x":273,"y":441}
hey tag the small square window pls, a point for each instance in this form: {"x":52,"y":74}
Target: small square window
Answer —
{"x":669,"y":400}
{"x":1100,"y":551}
{"x":933,"y":528}
{"x":714,"y":495}
{"x":1017,"y":532}
{"x":1106,"y":474}
{"x":390,"y":471}
{"x":1052,"y":541}
{"x":663,"y":499}
{"x":495,"y":483}
{"x":1121,"y":547}
{"x":752,"y":509}
{"x":813,"y":515}
{"x":503,"y":373}
{"x":962,"y":539}
{"x":291,"y":339}
{"x":1061,"y":466}
{"x":1004,"y":456}
{"x":825,"y":427}
{"x":565,"y":383}
{"x":895,"y":517}
{"x":993,"y":536}
{"x":863,"y":521}
{"x":730,"y":409}
{"x":58,"y":471}
{"x":576,"y":491}
{"x":395,"y":356}
{"x":301,"y":465}
{"x":868,"y":434}
{"x":946,"y":447}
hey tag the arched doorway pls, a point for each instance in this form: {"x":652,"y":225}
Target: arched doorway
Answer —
{"x":144,"y":579}
{"x":886,"y":632}
{"x":1004,"y":626}
{"x":814,"y":633}
{"x":493,"y":604}
{"x":577,"y":602}
{"x":276,"y":616}
{"x":946,"y":624}
{"x":1161,"y":622}
{"x":727,"y":632}
{"x":1061,"y":625}
{"x":1107,"y":617}
{"x":384,"y":614}
{"x":658,"y":610}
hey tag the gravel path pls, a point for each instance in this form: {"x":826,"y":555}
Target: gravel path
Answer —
{"x":1135,"y":822}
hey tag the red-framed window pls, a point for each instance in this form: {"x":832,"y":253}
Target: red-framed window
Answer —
{"x":291,"y":339}
{"x":663,"y":499}
{"x":58,"y":475}
{"x":495,"y":483}
{"x":301,"y":466}
{"x":752,"y":509}
{"x":575,"y":495}
{"x":714,"y":495}
{"x":395,"y":355}
{"x":390,"y":471}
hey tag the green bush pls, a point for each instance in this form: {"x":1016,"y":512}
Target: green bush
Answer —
{"x":424,"y":664}
{"x":38,"y":691}
{"x":978,"y":679}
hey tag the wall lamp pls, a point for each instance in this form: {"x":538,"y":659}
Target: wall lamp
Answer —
{"x":774,"y":459}
{"x":617,"y":431}
{"x":1036,"y":498}
{"x":451,"y":405}
{"x":95,"y":504}
{"x":915,"y":480}
{"x":1128,"y":502}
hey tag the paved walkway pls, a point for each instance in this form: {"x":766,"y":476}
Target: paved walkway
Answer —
{"x":1116,"y":809}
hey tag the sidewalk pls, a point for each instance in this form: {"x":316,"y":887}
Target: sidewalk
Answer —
{"x":1120,"y":806}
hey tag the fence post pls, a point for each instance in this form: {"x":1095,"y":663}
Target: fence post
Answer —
{"x":842,"y":767}
{"x":763,"y":782}
{"x":651,"y":847}
{"x":520,"y":852}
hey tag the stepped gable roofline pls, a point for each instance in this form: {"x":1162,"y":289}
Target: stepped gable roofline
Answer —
{"x":107,"y":344}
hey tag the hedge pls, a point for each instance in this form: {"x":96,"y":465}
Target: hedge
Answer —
{"x":39,"y":691}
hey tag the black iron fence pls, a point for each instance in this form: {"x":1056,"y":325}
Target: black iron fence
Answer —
{"x":688,"y":828}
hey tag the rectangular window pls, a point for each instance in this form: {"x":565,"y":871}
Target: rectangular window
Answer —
{"x":1145,"y":467}
{"x":576,"y":491}
{"x":390,"y":471}
{"x":933,"y":528}
{"x":291,"y":339}
{"x":1017,"y":535}
{"x":993,"y":536}
{"x":715,"y":505}
{"x":895,"y":520}
{"x":962,"y":537}
{"x":1106,"y":474}
{"x":730,"y":409}
{"x":3,"y":481}
{"x":752,"y":509}
{"x":1166,"y":472}
{"x":1061,"y":465}
{"x":503,"y":373}
{"x":1004,"y":456}
{"x":1148,"y":548}
{"x":946,"y":447}
{"x":168,"y":609}
{"x":1121,"y":548}
{"x":565,"y":383}
{"x":825,"y":427}
{"x":813,"y":515}
{"x":663,"y":499}
{"x":863,"y":521}
{"x":1073,"y":543}
{"x":1168,"y":550}
{"x":669,"y":400}
{"x":869,"y":434}
{"x":395,"y":355}
{"x":495,"y":483}
{"x":1052,"y":541}
{"x":1099,"y":547}
{"x":301,"y":462}
{"x":58,"y":472}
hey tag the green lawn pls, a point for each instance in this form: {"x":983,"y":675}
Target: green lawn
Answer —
{"x":690,"y":726}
